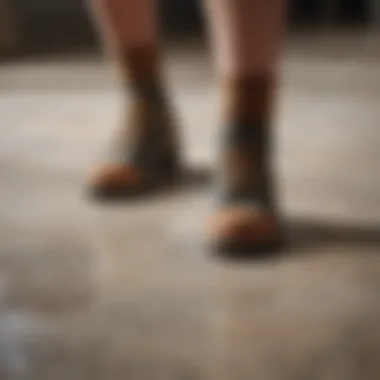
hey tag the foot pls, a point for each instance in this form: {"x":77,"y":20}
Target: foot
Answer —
{"x":119,"y":180}
{"x":246,"y":229}
{"x":145,"y":157}
{"x":246,"y":221}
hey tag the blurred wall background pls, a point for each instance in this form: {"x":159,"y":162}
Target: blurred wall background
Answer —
{"x":35,"y":26}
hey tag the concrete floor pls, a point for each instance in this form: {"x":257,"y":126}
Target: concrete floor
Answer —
{"x":129,"y":291}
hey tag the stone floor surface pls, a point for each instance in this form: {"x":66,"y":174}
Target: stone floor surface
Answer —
{"x":129,"y":291}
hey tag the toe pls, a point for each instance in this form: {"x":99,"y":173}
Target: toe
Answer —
{"x":115,"y":177}
{"x":245,"y":226}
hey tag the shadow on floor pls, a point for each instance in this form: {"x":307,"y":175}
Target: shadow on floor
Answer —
{"x":309,"y":234}
{"x":196,"y":178}
{"x":303,"y":237}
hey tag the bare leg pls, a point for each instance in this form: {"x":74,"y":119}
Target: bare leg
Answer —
{"x":144,"y":154}
{"x":247,"y":36}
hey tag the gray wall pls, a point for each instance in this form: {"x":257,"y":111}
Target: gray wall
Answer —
{"x":48,"y":6}
{"x":62,"y":24}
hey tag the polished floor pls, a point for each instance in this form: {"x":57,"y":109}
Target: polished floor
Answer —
{"x":120,"y":291}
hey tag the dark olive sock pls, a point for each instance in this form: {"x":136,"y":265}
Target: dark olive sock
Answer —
{"x":145,"y":150}
{"x":149,"y":120}
{"x":246,"y":146}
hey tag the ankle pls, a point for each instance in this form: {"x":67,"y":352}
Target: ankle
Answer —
{"x":248,"y":98}
{"x":139,"y":62}
{"x":246,"y":166}
{"x":142,"y":78}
